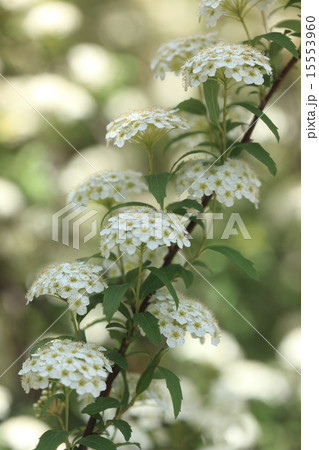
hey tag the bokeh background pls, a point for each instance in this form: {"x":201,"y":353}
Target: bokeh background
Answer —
{"x":81,"y":63}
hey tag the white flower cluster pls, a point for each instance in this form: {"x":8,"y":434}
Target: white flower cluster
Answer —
{"x":71,"y":282}
{"x":212,"y":10}
{"x":171,"y":56}
{"x":190,"y":316}
{"x":130,"y":228}
{"x":77,"y":365}
{"x":263,"y":5}
{"x":234,"y":179}
{"x":148,"y":124}
{"x":109,"y":185}
{"x":237,"y":61}
{"x":130,"y":262}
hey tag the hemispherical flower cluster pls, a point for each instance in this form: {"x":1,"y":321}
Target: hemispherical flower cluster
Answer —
{"x":111,"y":185}
{"x":143,"y":125}
{"x":136,"y":226}
{"x":234,"y":179}
{"x":191,"y":316}
{"x":171,"y":56}
{"x":77,"y":365}
{"x":71,"y":282}
{"x":237,"y":61}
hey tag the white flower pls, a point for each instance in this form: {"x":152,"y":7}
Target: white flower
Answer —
{"x":191,"y":316}
{"x":143,"y":125}
{"x":109,"y":185}
{"x":130,"y":228}
{"x":172,"y":55}
{"x":232,"y":180}
{"x":212,"y":10}
{"x":70,"y":282}
{"x":78,"y":365}
{"x":237,"y":61}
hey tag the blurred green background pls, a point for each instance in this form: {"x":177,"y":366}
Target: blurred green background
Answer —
{"x":80,"y":64}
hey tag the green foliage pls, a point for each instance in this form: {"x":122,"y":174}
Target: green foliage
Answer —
{"x":97,"y":443}
{"x":256,"y":150}
{"x":192,"y":106}
{"x":237,"y":258}
{"x":211,"y":90}
{"x":174,"y":386}
{"x":124,"y":428}
{"x":157,"y":183}
{"x":112,"y":298}
{"x":119,"y":359}
{"x":180,"y":137}
{"x":149,"y":325}
{"x":101,"y":404}
{"x":51,"y":439}
{"x":147,"y":376}
{"x":163,"y":280}
{"x":182,"y":206}
{"x":291,"y":24}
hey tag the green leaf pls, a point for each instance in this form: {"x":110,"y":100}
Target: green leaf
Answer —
{"x":124,"y":428}
{"x":147,"y":376}
{"x":101,"y":404}
{"x":112,"y":299}
{"x":256,"y":150}
{"x":174,"y":386}
{"x":182,"y":136}
{"x":292,"y":4}
{"x":192,"y":152}
{"x":187,"y":203}
{"x":211,"y":89}
{"x":40,"y":344}
{"x":161,"y":275}
{"x":124,"y":205}
{"x":51,"y":439}
{"x":294,"y":25}
{"x":125,"y":311}
{"x":192,"y":106}
{"x":282,"y":40}
{"x":119,"y":359}
{"x":97,"y":443}
{"x":149,"y":325}
{"x":237,"y":258}
{"x":49,"y":401}
{"x":270,"y":124}
{"x":203,"y":265}
{"x":122,"y":444}
{"x":157,"y":183}
{"x":152,"y":282}
{"x":86,"y":258}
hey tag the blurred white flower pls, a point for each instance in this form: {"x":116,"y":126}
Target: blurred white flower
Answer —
{"x":256,"y":380}
{"x":22,"y":432}
{"x":5,"y":402}
{"x":92,"y":65}
{"x":54,"y":94}
{"x":290,"y":347}
{"x":11,"y":199}
{"x":17,"y":4}
{"x":52,"y":18}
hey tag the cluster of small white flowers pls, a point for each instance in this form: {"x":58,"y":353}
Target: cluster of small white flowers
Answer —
{"x":71,"y":282}
{"x":146,"y":124}
{"x":109,"y":185}
{"x":238,"y":61}
{"x":263,"y":5}
{"x":171,"y":56}
{"x":77,"y":365}
{"x":212,"y":10}
{"x":190,"y":316}
{"x":234,"y":179}
{"x":130,"y":262}
{"x":130,"y":228}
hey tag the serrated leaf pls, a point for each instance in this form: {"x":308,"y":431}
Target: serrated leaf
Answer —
{"x":192,"y":106}
{"x":282,"y":40}
{"x":237,"y":258}
{"x":211,"y":90}
{"x":147,"y":376}
{"x":97,"y":443}
{"x":256,"y":150}
{"x":112,"y":298}
{"x":51,"y":439}
{"x":101,"y":404}
{"x":262,"y":116}
{"x":157,"y":183}
{"x":174,"y":386}
{"x":149,"y":325}
{"x":119,"y":359}
{"x":124,"y":427}
{"x":294,"y":25}
{"x":187,"y":203}
{"x":161,"y":275}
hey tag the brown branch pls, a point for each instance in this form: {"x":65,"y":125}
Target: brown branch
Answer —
{"x":172,"y":250}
